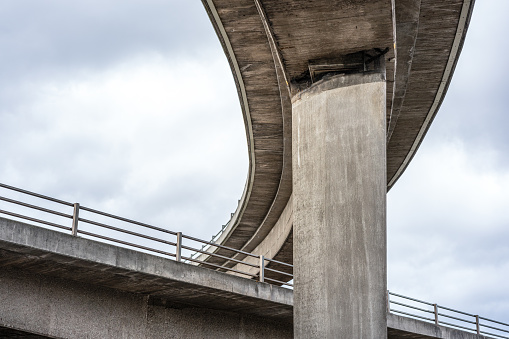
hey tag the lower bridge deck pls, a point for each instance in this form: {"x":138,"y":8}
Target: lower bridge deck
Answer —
{"x":55,"y":285}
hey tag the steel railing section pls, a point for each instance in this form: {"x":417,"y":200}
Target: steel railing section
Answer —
{"x":212,"y":242}
{"x":398,"y":304}
{"x":441,"y":315}
{"x":144,"y":237}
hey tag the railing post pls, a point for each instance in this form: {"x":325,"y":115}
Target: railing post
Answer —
{"x":75,"y":217}
{"x":388,"y":303}
{"x":178,"y":251}
{"x":477,"y":326}
{"x":435,"y":306}
{"x":262,"y":268}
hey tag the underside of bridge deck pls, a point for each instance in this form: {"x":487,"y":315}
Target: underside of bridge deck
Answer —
{"x":54,"y":285}
{"x":280,"y":49}
{"x":277,"y":48}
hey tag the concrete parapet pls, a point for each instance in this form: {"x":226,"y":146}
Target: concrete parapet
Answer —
{"x":399,"y":327}
{"x":44,"y":272}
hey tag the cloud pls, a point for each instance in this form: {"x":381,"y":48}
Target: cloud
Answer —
{"x":475,"y":107}
{"x":148,"y":138}
{"x":448,"y":229}
{"x":61,"y":34}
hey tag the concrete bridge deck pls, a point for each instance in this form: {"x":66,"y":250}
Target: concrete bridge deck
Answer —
{"x":276,"y":48}
{"x":337,"y":97}
{"x":55,"y":285}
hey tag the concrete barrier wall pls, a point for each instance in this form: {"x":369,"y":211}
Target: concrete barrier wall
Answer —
{"x":399,"y":327}
{"x":66,"y":309}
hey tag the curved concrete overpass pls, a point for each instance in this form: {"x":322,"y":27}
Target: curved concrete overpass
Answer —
{"x":278,"y":48}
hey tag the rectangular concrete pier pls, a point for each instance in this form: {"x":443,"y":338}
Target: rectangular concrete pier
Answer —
{"x":339,"y":192}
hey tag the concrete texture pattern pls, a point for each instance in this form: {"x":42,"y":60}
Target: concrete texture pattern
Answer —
{"x":339,"y":208}
{"x":68,"y":309}
{"x":405,"y":328}
{"x":50,"y":290}
{"x":40,"y":251}
{"x":273,"y":242}
{"x":271,"y":44}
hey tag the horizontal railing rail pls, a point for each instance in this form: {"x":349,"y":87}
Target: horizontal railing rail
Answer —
{"x":134,"y":234}
{"x":145,"y":237}
{"x":441,"y":315}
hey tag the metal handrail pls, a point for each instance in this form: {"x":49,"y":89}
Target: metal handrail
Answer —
{"x":138,"y":233}
{"x":480,"y":322}
{"x":35,"y":220}
{"x":45,"y":197}
{"x":279,"y":262}
{"x":220,"y":246}
{"x":477,"y":321}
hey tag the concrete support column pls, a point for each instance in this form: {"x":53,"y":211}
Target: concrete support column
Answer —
{"x":339,"y":192}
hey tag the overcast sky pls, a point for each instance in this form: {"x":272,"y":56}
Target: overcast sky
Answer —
{"x":130,"y":107}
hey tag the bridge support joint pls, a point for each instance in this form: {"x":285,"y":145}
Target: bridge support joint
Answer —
{"x":339,"y":192}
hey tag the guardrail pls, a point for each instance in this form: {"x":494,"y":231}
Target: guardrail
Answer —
{"x":213,"y":240}
{"x":157,"y":240}
{"x":132,"y":233}
{"x":216,"y":236}
{"x":449,"y":317}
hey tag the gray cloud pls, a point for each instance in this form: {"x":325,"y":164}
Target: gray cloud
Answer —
{"x":448,"y":226}
{"x":475,"y":107}
{"x":115,"y":106}
{"x":44,"y":35}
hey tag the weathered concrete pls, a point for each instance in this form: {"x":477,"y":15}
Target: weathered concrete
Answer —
{"x":271,"y":246}
{"x":90,"y":268}
{"x":69,"y":309}
{"x":57,"y":286}
{"x":271,"y":44}
{"x":406,"y":328}
{"x":339,"y":208}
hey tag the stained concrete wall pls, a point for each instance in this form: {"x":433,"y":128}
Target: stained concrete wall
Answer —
{"x":66,"y":309}
{"x":339,"y":196}
{"x":399,"y":327}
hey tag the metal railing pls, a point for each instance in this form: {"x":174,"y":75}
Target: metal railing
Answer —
{"x":213,"y":240}
{"x":134,"y":234}
{"x":440,"y":315}
{"x":217,"y":235}
{"x":157,"y":240}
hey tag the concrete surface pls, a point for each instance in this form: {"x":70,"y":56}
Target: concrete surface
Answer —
{"x":41,"y":252}
{"x":69,"y":309}
{"x":400,"y":327}
{"x":270,"y":44}
{"x":339,"y":193}
{"x":54,"y":285}
{"x":272,"y":244}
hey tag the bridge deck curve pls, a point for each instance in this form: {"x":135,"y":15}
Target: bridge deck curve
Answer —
{"x":272,"y":47}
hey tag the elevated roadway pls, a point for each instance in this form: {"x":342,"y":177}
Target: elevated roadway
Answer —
{"x":278,"y":48}
{"x":337,"y":96}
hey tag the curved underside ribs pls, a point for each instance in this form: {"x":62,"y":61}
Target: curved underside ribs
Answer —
{"x":278,"y":47}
